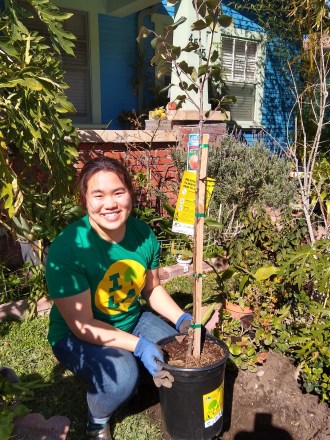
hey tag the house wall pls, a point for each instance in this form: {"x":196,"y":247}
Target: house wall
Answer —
{"x":277,"y":97}
{"x":117,"y":53}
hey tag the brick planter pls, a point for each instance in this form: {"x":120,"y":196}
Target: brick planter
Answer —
{"x":158,"y":124}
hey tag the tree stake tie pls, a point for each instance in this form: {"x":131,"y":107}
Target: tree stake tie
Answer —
{"x":195,"y":325}
{"x":199,"y":214}
{"x":199,"y":275}
{"x":203,"y":145}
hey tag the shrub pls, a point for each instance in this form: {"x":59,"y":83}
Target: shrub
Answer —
{"x":248,"y":175}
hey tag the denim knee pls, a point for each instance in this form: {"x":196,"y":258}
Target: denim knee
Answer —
{"x":112,"y":374}
{"x":153,"y":327}
{"x":113,"y":384}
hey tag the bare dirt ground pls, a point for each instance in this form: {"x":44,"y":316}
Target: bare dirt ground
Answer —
{"x":267,"y":405}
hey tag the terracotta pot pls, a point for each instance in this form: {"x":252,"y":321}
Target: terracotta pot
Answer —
{"x":171,"y":105}
{"x":236,"y":311}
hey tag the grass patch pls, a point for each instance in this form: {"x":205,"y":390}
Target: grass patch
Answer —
{"x":25,"y":349}
{"x":181,"y":289}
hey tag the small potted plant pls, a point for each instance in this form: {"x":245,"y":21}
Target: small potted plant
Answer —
{"x":158,"y":120}
{"x":184,"y":258}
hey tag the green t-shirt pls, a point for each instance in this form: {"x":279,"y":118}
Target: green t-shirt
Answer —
{"x":79,"y":259}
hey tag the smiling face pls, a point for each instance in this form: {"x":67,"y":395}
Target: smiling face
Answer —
{"x":108,"y":204}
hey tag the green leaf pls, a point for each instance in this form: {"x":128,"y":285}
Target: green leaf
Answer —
{"x":251,"y":351}
{"x":8,"y":47}
{"x":143,"y":33}
{"x":243,"y":282}
{"x":225,"y":20}
{"x":235,"y":350}
{"x":181,"y":97}
{"x":154,"y":42}
{"x":241,"y":303}
{"x":72,"y":151}
{"x":30,"y":83}
{"x":214,"y":56}
{"x":199,"y":25}
{"x":263,"y":273}
{"x":169,"y":209}
{"x":190,"y":47}
{"x":207,"y":315}
{"x":185,"y":67}
{"x":175,"y":52}
{"x":202,"y":70}
{"x":212,"y":3}
{"x":161,"y":71}
{"x":213,"y":224}
{"x":194,"y":75}
{"x":173,"y":26}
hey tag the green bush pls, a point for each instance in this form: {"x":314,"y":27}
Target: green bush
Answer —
{"x":248,"y":175}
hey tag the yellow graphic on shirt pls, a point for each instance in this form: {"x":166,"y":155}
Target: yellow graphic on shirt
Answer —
{"x":121,"y":284}
{"x":213,"y":406}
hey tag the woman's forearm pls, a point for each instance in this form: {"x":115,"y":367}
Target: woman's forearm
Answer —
{"x":161,"y":302}
{"x":100,"y":333}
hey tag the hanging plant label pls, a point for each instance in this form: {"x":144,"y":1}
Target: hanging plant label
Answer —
{"x":193,"y":148}
{"x":184,"y":215}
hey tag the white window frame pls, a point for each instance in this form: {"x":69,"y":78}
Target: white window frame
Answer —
{"x":160,"y":21}
{"x":93,"y":9}
{"x":260,"y":39}
{"x":94,"y":55}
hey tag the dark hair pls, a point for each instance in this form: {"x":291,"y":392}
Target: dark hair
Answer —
{"x":102,"y":164}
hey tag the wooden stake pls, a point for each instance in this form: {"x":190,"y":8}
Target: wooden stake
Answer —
{"x":198,"y":242}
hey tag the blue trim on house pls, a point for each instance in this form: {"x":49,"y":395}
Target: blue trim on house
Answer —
{"x":277,"y":99}
{"x":242,"y":20}
{"x":164,"y":8}
{"x":117,"y":54}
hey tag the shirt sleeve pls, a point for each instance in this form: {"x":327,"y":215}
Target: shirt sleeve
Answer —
{"x":65,"y":274}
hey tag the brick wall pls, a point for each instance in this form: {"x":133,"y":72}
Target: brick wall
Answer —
{"x":153,"y":158}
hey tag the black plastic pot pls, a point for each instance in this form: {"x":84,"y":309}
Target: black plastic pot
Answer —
{"x":193,"y":408}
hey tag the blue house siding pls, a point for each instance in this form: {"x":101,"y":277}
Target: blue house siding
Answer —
{"x":277,"y":99}
{"x":117,"y":53}
{"x":164,"y":7}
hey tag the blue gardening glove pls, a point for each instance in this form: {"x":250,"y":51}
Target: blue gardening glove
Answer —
{"x":183,"y":323}
{"x":149,"y":353}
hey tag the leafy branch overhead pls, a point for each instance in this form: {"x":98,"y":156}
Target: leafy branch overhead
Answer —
{"x":170,"y":58}
{"x":37,"y":139}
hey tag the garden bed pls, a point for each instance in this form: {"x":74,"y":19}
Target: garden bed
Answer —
{"x":268,"y":405}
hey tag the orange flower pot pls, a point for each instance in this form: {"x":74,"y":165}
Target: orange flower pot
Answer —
{"x":171,"y":105}
{"x":236,"y":311}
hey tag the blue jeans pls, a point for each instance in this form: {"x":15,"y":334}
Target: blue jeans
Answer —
{"x":112,"y":374}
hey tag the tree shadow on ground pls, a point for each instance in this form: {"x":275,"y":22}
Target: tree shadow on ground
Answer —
{"x":64,"y":395}
{"x":263,"y":429}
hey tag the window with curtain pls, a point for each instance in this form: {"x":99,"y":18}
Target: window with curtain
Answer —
{"x":239,"y":59}
{"x":76,"y":69}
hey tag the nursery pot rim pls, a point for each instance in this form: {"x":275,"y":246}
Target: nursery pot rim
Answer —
{"x":209,"y":367}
